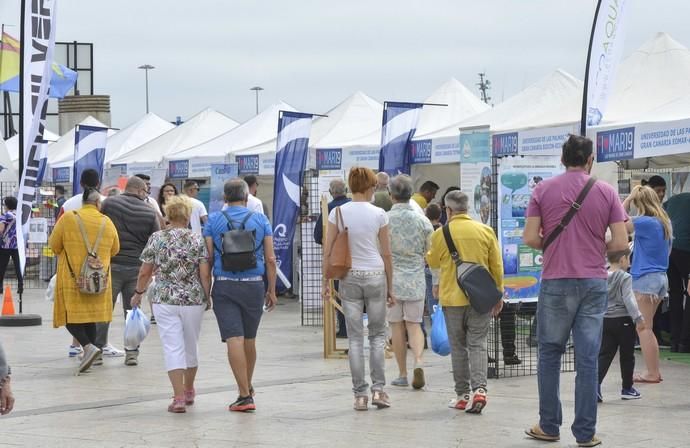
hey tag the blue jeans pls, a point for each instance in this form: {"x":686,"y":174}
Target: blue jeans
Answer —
{"x":566,"y":305}
{"x":430,"y":301}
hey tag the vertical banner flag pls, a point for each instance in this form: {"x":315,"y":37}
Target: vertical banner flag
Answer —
{"x":37,"y":43}
{"x":605,"y":51}
{"x":89,"y":152}
{"x":399,"y":125}
{"x":291,"y":157}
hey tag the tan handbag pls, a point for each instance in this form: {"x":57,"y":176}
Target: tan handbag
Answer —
{"x":339,"y":259}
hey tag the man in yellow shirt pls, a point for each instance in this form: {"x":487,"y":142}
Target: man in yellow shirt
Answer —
{"x":427,"y":193}
{"x":467,"y":329}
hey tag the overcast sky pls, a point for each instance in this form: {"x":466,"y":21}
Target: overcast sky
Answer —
{"x":312,"y":54}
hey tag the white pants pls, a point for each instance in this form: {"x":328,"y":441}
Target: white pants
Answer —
{"x":179,"y":328}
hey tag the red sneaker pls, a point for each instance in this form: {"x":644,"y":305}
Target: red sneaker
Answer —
{"x":478,"y":401}
{"x":460,"y":403}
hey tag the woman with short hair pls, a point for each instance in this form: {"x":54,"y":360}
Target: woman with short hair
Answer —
{"x":369,"y":283}
{"x":8,"y":243}
{"x":180,"y":296}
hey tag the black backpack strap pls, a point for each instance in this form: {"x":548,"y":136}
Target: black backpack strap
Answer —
{"x":227,"y":218}
{"x":451,"y":245}
{"x":246,"y":218}
{"x":574,"y":208}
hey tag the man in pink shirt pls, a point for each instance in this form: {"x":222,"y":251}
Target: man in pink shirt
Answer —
{"x":573,"y":292}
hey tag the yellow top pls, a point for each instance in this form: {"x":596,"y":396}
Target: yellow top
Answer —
{"x":476,"y":243}
{"x":66,"y":240}
{"x":421,"y":200}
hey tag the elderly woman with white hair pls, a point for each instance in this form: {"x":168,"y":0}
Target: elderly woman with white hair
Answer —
{"x":410,"y":234}
{"x":181,"y":294}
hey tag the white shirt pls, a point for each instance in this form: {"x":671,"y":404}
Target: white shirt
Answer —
{"x":75,"y":203}
{"x":254,"y":204}
{"x":363,"y":221}
{"x":154,"y":205}
{"x":198,"y":212}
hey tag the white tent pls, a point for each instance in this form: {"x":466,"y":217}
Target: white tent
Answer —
{"x":462,"y":104}
{"x":142,"y":131}
{"x":651,"y":101}
{"x":260,"y":129}
{"x":202,"y":127}
{"x":12,"y":144}
{"x":61,"y":153}
{"x":7,"y":171}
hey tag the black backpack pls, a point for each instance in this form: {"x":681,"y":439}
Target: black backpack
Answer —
{"x":238,"y":247}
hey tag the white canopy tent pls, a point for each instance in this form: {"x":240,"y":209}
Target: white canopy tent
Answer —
{"x":136,"y":134}
{"x":61,"y":153}
{"x":7,"y":171}
{"x":12,"y":145}
{"x":202,"y":127}
{"x":258,"y":130}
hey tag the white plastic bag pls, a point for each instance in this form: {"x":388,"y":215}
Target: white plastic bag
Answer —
{"x":50,"y":290}
{"x":137,"y":326}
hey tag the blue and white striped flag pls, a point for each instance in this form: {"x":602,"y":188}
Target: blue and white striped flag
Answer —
{"x":399,"y":125}
{"x":291,"y":157}
{"x":89,"y":152}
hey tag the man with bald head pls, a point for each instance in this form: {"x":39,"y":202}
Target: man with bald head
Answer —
{"x":338,"y":191}
{"x":135,"y":221}
{"x":382,"y":194}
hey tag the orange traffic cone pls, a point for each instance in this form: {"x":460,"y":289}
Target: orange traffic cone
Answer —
{"x":8,"y":303}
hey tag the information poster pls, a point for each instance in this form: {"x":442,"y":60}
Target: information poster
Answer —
{"x":522,"y":265}
{"x":475,"y":173}
{"x":220,"y":172}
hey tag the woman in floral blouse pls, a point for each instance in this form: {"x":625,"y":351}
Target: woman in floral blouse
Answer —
{"x":181,"y":294}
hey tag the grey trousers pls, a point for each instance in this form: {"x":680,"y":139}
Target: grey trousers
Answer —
{"x":356,"y":291}
{"x":123,"y":280}
{"x":467,"y":334}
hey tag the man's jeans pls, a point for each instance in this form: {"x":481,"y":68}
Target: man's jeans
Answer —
{"x":467,"y":334}
{"x":123,"y":280}
{"x":566,"y":305}
{"x":357,"y":290}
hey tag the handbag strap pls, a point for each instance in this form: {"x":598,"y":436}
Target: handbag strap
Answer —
{"x":574,"y":208}
{"x":454,"y":254}
{"x":339,"y":221}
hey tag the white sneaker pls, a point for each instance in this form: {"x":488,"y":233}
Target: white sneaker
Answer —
{"x":75,"y":350}
{"x":111,"y":352}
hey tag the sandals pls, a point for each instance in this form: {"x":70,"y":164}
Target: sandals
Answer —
{"x":189,"y":396}
{"x":594,"y":441}
{"x":536,"y":433}
{"x":177,"y":406}
{"x":638,"y":378}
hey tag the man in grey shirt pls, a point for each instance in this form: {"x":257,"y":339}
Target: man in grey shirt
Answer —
{"x":135,"y":222}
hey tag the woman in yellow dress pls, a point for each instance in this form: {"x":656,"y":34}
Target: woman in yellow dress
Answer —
{"x":73,"y":309}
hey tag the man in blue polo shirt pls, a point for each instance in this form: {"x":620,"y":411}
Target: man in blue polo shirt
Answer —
{"x":239,"y":297}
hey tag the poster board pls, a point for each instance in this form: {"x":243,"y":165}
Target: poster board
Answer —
{"x":475,"y":173}
{"x":522,"y":265}
{"x":220,"y":172}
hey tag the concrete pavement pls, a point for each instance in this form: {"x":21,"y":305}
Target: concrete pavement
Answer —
{"x":302,"y":399}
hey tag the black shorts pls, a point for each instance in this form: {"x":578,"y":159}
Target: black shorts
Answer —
{"x":238,"y":307}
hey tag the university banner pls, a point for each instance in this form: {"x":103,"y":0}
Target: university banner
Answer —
{"x":220,"y":172}
{"x":89,"y":152}
{"x":399,"y":125}
{"x":36,"y":56}
{"x":605,"y":51}
{"x":291,"y":157}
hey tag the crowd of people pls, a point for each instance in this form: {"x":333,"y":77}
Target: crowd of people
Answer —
{"x":594,"y":288}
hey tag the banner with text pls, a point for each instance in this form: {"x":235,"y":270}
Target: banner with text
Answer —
{"x":291,"y":157}
{"x":329,"y":159}
{"x":475,"y":173}
{"x":36,"y":55}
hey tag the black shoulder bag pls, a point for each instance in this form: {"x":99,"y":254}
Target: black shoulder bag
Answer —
{"x":473,"y":279}
{"x":238,"y":246}
{"x":574,"y":208}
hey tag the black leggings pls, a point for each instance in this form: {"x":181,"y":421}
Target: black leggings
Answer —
{"x":618,"y":335}
{"x":84,"y":333}
{"x":5,"y":255}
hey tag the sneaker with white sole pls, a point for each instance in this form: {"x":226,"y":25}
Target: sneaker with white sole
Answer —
{"x":112,"y":352}
{"x":630,"y":394}
{"x":75,"y":350}
{"x":400,"y":381}
{"x":91,"y":352}
{"x":459,"y":402}
{"x":131,"y":358}
{"x":478,"y":401}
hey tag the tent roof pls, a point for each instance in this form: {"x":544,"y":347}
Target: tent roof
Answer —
{"x":355,"y":118}
{"x":202,"y":127}
{"x":258,"y":130}
{"x":7,"y":171}
{"x":61,"y":153}
{"x":136,"y":134}
{"x":12,"y":144}
{"x":462,"y":104}
{"x":650,"y":81}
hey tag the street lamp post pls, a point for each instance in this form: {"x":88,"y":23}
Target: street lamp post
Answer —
{"x":146,"y":68}
{"x":257,"y":89}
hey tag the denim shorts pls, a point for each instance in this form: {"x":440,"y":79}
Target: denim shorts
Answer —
{"x":654,"y":284}
{"x":238,"y":307}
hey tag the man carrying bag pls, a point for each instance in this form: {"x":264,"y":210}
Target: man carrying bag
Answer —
{"x":467,"y":320}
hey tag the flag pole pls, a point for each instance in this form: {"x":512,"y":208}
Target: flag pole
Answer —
{"x":583,"y":119}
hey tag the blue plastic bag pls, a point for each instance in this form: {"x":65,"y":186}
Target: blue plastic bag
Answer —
{"x":137,"y":326}
{"x":439,"y":333}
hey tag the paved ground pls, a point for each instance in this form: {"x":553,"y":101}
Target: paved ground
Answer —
{"x":303,"y":400}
